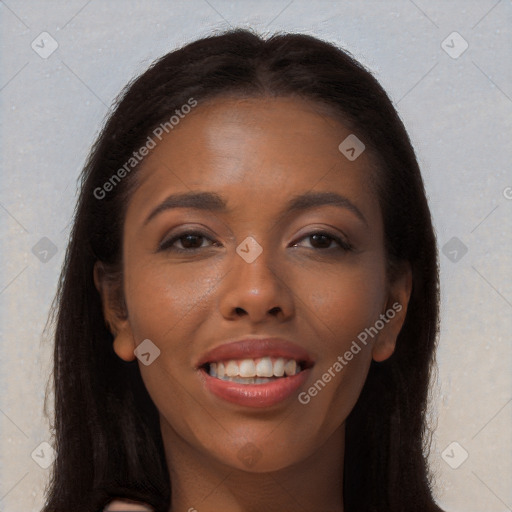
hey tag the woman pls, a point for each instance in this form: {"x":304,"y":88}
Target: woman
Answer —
{"x":248,"y":310}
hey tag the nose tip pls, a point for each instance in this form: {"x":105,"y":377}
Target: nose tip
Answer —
{"x":253,"y":288}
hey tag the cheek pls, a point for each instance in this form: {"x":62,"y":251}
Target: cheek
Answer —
{"x":168,"y":303}
{"x":344,"y":300}
{"x":342,"y":304}
{"x":163,"y":300}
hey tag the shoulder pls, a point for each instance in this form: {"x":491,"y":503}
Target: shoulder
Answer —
{"x":127,"y":506}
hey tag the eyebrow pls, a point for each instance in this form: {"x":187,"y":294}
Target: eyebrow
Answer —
{"x":213,"y":202}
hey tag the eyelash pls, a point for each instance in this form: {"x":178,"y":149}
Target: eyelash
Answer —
{"x":166,"y":245}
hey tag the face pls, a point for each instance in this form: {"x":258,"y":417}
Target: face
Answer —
{"x":285,"y":248}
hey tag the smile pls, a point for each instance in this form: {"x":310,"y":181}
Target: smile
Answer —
{"x":254,"y":371}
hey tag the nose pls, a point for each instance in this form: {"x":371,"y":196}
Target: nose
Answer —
{"x":257,"y":291}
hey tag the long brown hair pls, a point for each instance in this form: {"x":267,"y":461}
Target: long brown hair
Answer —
{"x":106,"y":429}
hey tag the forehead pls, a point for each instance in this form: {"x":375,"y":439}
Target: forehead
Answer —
{"x":253,"y":150}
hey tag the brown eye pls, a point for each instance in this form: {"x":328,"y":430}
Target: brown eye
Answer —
{"x":191,"y":241}
{"x":186,"y":242}
{"x":321,"y":240}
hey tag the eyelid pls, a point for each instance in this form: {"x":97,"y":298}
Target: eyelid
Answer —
{"x":323,"y":228}
{"x":168,"y":241}
{"x":341,"y":240}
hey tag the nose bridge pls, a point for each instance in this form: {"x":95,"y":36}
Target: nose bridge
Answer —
{"x":253,"y":262}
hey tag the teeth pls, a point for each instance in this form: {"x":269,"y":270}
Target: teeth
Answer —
{"x":279,"y":367}
{"x":232,"y":369}
{"x":249,"y":380}
{"x":247,"y":368}
{"x":248,"y":371}
{"x":264,"y":368}
{"x":260,"y":380}
{"x":290,"y":367}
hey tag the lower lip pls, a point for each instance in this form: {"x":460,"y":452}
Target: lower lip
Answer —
{"x":256,"y":395}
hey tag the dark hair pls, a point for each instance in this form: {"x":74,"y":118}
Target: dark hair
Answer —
{"x":107,"y":433}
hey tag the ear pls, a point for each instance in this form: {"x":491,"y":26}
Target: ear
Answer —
{"x":394,"y":314}
{"x":114,"y":313}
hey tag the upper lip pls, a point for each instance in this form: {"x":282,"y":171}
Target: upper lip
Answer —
{"x":252,"y":348}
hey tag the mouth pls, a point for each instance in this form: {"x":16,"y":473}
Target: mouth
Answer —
{"x":260,"y":370}
{"x":255,"y":372}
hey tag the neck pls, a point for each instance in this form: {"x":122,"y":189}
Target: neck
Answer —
{"x":200,"y":483}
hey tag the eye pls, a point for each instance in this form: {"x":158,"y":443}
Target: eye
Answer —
{"x":193,"y":240}
{"x":323,"y":240}
{"x":189,"y":241}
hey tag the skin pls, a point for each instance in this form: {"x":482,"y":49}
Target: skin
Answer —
{"x":256,"y":154}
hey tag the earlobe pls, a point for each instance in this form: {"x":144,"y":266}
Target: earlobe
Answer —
{"x":383,"y":349}
{"x":124,"y":347}
{"x":119,"y":326}
{"x":395,"y":313}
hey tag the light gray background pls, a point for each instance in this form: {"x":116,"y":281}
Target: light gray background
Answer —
{"x":457,"y":111}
